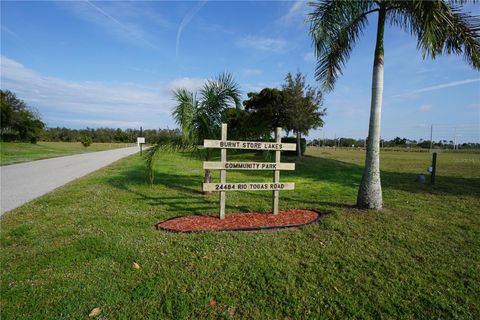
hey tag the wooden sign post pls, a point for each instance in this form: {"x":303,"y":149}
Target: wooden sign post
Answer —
{"x":223,"y":172}
{"x":276,"y":173}
{"x":224,"y":165}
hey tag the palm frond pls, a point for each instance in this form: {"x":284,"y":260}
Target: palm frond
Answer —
{"x":207,"y":125}
{"x":440,"y":28}
{"x":151,"y":154}
{"x":335,"y":27}
{"x":216,"y":95}
{"x":229,"y":89}
{"x":184,"y":112}
{"x":149,"y":157}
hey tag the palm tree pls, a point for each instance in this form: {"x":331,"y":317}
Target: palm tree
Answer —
{"x":336,"y":25}
{"x":199,"y":119}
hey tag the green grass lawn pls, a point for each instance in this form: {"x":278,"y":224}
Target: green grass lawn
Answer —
{"x":16,"y":152}
{"x":72,"y":250}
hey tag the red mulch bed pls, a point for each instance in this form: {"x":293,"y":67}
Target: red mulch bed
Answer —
{"x":240,"y":221}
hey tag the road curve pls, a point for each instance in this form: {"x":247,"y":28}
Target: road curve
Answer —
{"x":23,"y":182}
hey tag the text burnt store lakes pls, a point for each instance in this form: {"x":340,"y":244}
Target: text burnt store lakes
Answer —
{"x":251,"y":145}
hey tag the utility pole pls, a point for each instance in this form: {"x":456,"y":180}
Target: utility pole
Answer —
{"x":431,"y":137}
{"x":455,"y":138}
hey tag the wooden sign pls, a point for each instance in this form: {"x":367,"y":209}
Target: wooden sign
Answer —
{"x":249,"y":186}
{"x":248,"y":165}
{"x":276,"y":186}
{"x":250,"y":145}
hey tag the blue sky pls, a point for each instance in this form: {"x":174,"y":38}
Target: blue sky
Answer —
{"x":114,"y":64}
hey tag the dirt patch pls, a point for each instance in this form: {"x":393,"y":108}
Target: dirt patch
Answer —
{"x":240,"y":221}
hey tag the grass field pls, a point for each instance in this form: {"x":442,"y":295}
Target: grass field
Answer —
{"x":72,"y":250}
{"x":15,"y":152}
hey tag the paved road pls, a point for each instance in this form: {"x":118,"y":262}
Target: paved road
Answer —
{"x":23,"y":182}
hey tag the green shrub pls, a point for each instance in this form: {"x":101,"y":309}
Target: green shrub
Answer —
{"x":86,"y":140}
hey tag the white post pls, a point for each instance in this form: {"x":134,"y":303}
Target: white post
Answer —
{"x":276,"y":174}
{"x":223,"y":173}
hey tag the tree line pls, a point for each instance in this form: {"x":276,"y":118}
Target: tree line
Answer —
{"x":108,"y":135}
{"x":296,"y":107}
{"x":20,"y":122}
{"x":396,"y":142}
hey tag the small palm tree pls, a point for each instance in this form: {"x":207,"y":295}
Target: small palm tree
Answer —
{"x":199,"y":119}
{"x":337,"y":24}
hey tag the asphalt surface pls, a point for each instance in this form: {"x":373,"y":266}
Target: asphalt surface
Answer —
{"x":23,"y":182}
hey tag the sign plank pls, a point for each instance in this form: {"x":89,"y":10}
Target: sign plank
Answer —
{"x":250,"y":145}
{"x":212,"y":165}
{"x":249,"y":186}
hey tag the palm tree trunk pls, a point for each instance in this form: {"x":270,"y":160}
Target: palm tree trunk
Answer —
{"x":370,"y":191}
{"x":299,"y":148}
{"x":208,"y":176}
{"x":207,"y":179}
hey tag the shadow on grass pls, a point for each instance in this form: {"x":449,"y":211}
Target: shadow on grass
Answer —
{"x":183,"y":197}
{"x":181,"y":193}
{"x":348,"y":174}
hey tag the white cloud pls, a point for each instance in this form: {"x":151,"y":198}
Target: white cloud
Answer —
{"x":423,"y":70}
{"x":191,"y":84}
{"x":425,"y":108}
{"x":296,"y":10}
{"x":251,"y":72}
{"x":93,"y":103}
{"x":263,"y":44}
{"x":8,"y":31}
{"x":185,"y":21}
{"x":438,"y":87}
{"x":98,"y":123}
